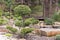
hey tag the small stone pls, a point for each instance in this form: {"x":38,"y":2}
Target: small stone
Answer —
{"x":22,"y":39}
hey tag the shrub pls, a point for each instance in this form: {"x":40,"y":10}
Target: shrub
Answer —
{"x":8,"y":27}
{"x":57,"y":37}
{"x":22,"y":10}
{"x":19,"y":23}
{"x":56,"y":17}
{"x":2,"y":21}
{"x":19,"y":18}
{"x":35,"y":21}
{"x":30,"y":21}
{"x":48,"y":21}
{"x":11,"y":29}
{"x":5,"y":22}
{"x":8,"y":34}
{"x":8,"y":17}
{"x":27,"y":22}
{"x":25,"y":31}
{"x":1,"y":12}
{"x":7,"y":14}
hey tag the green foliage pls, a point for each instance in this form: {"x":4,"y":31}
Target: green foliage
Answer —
{"x":38,"y":8}
{"x":49,"y":21}
{"x":27,"y":22}
{"x":1,"y":12}
{"x":8,"y":34}
{"x":57,"y":37}
{"x":11,"y":29}
{"x":56,"y":16}
{"x":17,"y":18}
{"x":8,"y":27}
{"x":22,"y":10}
{"x":30,"y":21}
{"x":8,"y":3}
{"x":3,"y":21}
{"x":25,"y":31}
{"x":7,"y":14}
{"x":19,"y":23}
{"x":35,"y":21}
{"x":59,"y":3}
{"x":14,"y":30}
{"x":8,"y":17}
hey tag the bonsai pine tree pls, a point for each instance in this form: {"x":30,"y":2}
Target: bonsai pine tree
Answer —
{"x":22,"y":10}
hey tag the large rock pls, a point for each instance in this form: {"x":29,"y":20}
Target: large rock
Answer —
{"x":46,"y":32}
{"x":56,"y":25}
{"x":49,"y":31}
{"x":36,"y":37}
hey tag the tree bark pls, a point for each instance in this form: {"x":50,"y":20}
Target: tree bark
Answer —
{"x":49,"y":7}
{"x":22,"y":1}
{"x":46,"y":8}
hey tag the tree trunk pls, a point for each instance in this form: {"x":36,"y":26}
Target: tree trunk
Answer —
{"x":22,"y":1}
{"x":46,"y":8}
{"x":49,"y":7}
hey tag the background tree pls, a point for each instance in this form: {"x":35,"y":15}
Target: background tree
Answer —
{"x":9,"y":4}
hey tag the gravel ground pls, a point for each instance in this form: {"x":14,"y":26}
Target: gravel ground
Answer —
{"x":3,"y":37}
{"x":40,"y":38}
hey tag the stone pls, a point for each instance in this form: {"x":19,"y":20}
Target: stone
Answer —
{"x":36,"y":37}
{"x":37,"y":32}
{"x":22,"y":39}
{"x":48,"y":26}
{"x":49,"y":31}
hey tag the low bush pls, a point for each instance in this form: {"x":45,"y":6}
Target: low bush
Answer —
{"x":25,"y":31}
{"x":8,"y":34}
{"x":7,"y":15}
{"x":11,"y":29}
{"x":19,"y":23}
{"x":57,"y":37}
{"x":18,"y":18}
{"x":27,"y":22}
{"x":3,"y":21}
{"x":56,"y":16}
{"x":49,"y":21}
{"x":1,"y":12}
{"x":22,"y":10}
{"x":8,"y":27}
{"x":30,"y":21}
